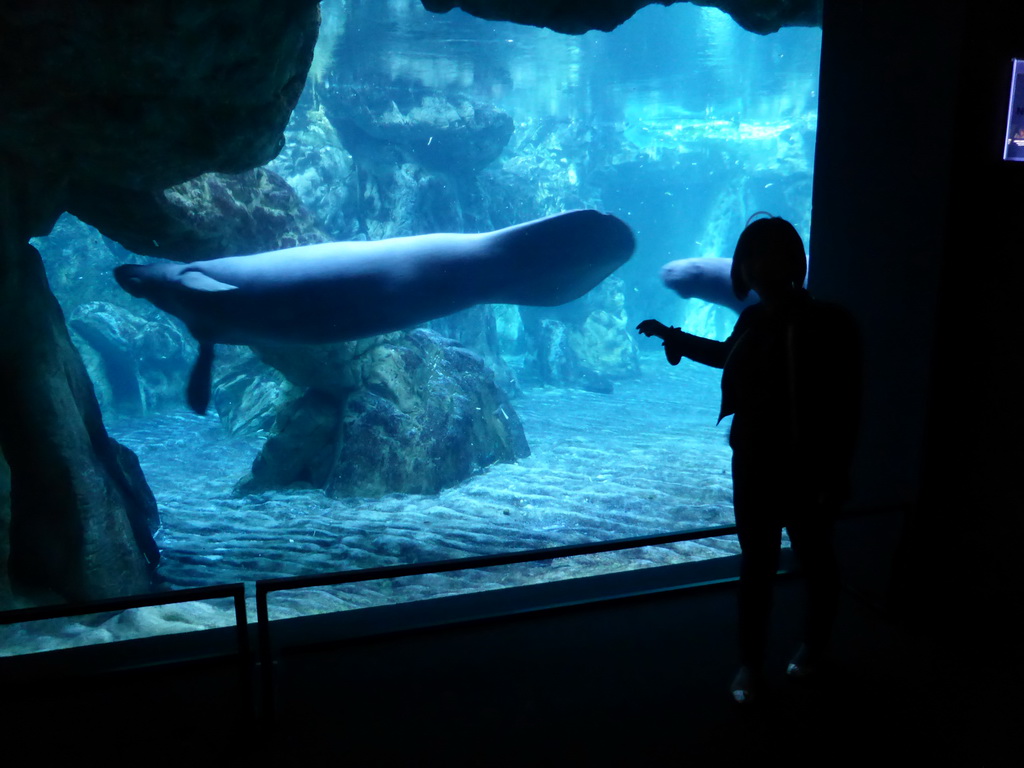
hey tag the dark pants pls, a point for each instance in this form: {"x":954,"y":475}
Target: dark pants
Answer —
{"x":769,"y":496}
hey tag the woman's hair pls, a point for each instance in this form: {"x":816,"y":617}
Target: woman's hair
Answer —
{"x":771,"y":238}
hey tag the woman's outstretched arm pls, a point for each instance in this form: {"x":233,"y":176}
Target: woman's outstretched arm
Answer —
{"x":679,"y":344}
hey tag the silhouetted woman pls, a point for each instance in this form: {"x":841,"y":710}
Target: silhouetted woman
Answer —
{"x":791,"y":376}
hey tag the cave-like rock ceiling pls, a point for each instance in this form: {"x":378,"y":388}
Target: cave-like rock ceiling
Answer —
{"x":146,"y":95}
{"x":579,"y":16}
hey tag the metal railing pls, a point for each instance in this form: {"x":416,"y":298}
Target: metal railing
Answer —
{"x":265,"y":587}
{"x":338,"y":578}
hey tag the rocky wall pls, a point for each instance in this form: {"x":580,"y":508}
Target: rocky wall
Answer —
{"x":98,"y":99}
{"x":80,"y":517}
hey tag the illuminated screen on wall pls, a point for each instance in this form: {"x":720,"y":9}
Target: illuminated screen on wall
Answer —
{"x":1013,"y":149}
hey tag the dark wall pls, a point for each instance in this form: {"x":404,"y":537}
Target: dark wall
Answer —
{"x":881,"y":195}
{"x":971,"y":512}
{"x":916,"y":228}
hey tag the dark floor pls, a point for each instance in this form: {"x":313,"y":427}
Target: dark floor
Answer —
{"x":636,"y":682}
{"x":640,"y":683}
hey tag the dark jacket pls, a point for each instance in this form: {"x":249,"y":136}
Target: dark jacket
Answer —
{"x":792,"y":377}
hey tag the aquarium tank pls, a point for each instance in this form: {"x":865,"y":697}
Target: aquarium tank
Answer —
{"x":501,"y":427}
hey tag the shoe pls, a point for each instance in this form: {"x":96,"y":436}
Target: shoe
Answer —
{"x":802,"y":665}
{"x":743,"y":686}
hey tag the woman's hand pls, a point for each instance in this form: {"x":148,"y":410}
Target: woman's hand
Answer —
{"x":653,"y":328}
{"x":673,"y":340}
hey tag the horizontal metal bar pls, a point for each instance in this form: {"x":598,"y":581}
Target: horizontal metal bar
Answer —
{"x":482,"y":561}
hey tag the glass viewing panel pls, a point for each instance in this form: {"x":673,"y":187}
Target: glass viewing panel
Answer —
{"x":564,"y":426}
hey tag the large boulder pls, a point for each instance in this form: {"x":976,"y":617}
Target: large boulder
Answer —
{"x":247,"y":393}
{"x":439,"y":131}
{"x":213,"y":215}
{"x":410,"y":412}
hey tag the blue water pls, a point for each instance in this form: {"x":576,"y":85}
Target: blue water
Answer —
{"x":646,"y":459}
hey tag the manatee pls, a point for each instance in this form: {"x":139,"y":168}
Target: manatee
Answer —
{"x":342,"y":291}
{"x":705,"y":278}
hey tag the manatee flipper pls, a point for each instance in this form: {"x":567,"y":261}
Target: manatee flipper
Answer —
{"x":199,"y":382}
{"x":195,"y":280}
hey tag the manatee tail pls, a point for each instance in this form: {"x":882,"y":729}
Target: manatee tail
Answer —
{"x":560,"y":258}
{"x":198,"y":392}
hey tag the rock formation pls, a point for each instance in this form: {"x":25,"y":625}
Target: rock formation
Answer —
{"x":407,"y":412}
{"x":210,"y":216}
{"x":80,"y":511}
{"x":438,"y":130}
{"x":112,"y":100}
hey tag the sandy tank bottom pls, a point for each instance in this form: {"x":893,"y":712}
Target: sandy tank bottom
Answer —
{"x":646,"y":459}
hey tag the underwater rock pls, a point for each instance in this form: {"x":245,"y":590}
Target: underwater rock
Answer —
{"x":585,"y":344}
{"x":78,"y":263}
{"x":440,"y":131}
{"x":575,"y":17}
{"x":334,"y":369}
{"x":603,"y":343}
{"x":411,"y":413}
{"x":408,"y":199}
{"x":213,"y":215}
{"x":135,"y":365}
{"x":428,"y":418}
{"x":555,"y":360}
{"x":320,"y":170}
{"x":247,"y":393}
{"x":559,"y":363}
{"x":301,"y":450}
{"x":143,"y":513}
{"x":78,"y":527}
{"x":148,"y":95}
{"x":477,"y":329}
